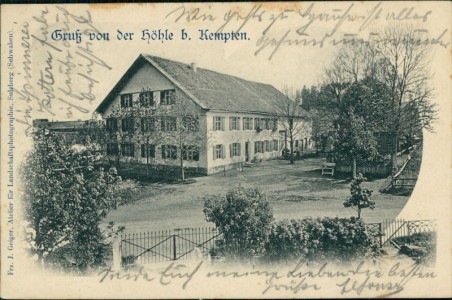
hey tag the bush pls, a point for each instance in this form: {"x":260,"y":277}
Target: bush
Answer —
{"x":320,"y":239}
{"x":421,"y":246}
{"x":244,"y":217}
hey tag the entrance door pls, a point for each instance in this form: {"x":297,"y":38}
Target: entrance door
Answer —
{"x":247,"y":151}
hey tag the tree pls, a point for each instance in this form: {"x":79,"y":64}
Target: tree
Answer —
{"x":66,"y":195}
{"x":360,"y":197}
{"x":291,"y":116}
{"x":185,"y":132}
{"x":405,"y":69}
{"x":355,"y":140}
{"x":170,"y":120}
{"x":396,"y":61}
{"x":244,"y":217}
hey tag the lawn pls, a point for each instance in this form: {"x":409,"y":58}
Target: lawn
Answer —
{"x":294,"y":191}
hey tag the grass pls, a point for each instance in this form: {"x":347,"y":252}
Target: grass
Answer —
{"x":294,"y":191}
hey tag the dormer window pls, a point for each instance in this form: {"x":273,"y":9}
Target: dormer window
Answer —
{"x":167,"y":97}
{"x":126,"y":100}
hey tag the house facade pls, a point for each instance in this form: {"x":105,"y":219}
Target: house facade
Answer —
{"x":162,"y":112}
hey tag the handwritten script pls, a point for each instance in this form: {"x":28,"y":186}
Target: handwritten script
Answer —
{"x":316,"y":26}
{"x":360,"y":279}
{"x":53,"y":76}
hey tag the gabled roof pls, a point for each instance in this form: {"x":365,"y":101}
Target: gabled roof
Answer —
{"x":209,"y":89}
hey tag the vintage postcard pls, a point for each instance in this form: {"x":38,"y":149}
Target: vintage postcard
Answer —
{"x":213,"y":150}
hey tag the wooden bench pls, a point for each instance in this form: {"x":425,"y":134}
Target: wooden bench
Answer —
{"x":328,"y":168}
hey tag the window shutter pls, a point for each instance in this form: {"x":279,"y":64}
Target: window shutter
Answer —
{"x":255,"y":147}
{"x":240,"y":149}
{"x":214,"y":153}
{"x":230,"y":123}
{"x":162,"y":93}
{"x":223,"y":154}
{"x":156,"y":97}
{"x":213,"y":118}
{"x":222,"y":123}
{"x":230,"y":150}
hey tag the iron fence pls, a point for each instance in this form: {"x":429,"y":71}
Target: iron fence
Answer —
{"x":167,"y":245}
{"x":388,"y":230}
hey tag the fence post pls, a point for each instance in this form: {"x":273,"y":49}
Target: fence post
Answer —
{"x":380,"y":234}
{"x":174,"y":247}
{"x":117,"y":253}
{"x":408,"y":226}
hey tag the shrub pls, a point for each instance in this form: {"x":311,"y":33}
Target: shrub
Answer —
{"x":244,"y":218}
{"x":360,"y":197}
{"x":422,"y":246}
{"x":320,"y":239}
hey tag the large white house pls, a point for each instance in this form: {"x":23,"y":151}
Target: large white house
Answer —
{"x":239,"y":120}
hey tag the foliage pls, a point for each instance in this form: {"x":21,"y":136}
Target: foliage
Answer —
{"x":424,"y":245}
{"x":321,"y":239}
{"x":360,"y":197}
{"x":244,"y":218}
{"x":66,"y":195}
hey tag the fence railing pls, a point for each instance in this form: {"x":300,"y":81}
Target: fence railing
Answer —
{"x":388,"y":230}
{"x":197,"y":243}
{"x":167,"y":245}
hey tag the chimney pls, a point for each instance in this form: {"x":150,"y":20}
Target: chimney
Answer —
{"x":194,"y":67}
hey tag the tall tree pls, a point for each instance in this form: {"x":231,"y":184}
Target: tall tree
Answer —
{"x":66,"y":195}
{"x":395,"y":67}
{"x":165,"y":120}
{"x":292,"y":117}
{"x":180,"y":125}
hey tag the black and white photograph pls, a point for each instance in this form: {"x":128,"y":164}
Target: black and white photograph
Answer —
{"x":226,"y":150}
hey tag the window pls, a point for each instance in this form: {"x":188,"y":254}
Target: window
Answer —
{"x":147,"y":150}
{"x":256,"y":123}
{"x":275,"y":124}
{"x":191,"y":123}
{"x":147,"y":124}
{"x":128,"y":149}
{"x":190,"y":153}
{"x":275,"y":145}
{"x":218,"y":123}
{"x":127,"y":124}
{"x":169,"y":151}
{"x":146,"y":99}
{"x":259,"y":147}
{"x":234,"y":149}
{"x":112,"y":124}
{"x":126,"y":100}
{"x":167,"y":97}
{"x":168,"y":124}
{"x":218,"y":152}
{"x":234,"y":123}
{"x":268,"y":124}
{"x":112,"y":149}
{"x":247,"y":123}
{"x":267,"y":146}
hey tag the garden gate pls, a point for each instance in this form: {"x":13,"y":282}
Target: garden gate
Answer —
{"x":167,"y":245}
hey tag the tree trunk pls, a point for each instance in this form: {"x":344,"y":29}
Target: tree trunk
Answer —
{"x":182,"y":169}
{"x":359,"y":213}
{"x":292,"y":161}
{"x":354,"y":168}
